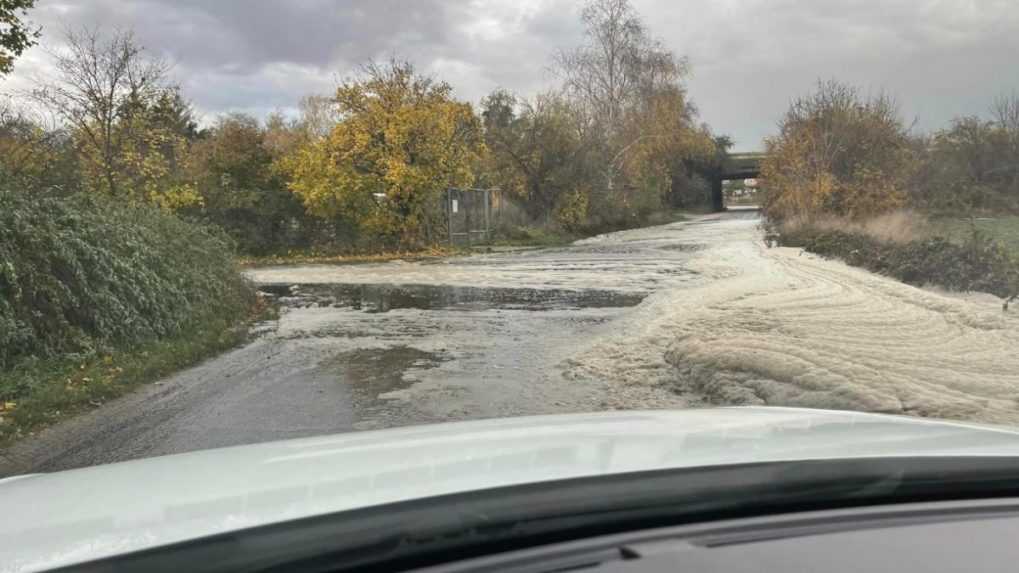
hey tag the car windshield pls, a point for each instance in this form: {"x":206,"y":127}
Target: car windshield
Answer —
{"x":233,"y":222}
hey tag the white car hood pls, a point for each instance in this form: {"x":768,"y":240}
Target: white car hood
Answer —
{"x":69,"y":517}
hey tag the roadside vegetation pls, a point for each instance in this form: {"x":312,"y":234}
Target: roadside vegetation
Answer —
{"x":363,"y":170}
{"x":846,"y":178}
{"x":97,"y":295}
{"x":314,"y":257}
{"x":125,"y":218}
{"x":974,"y":263}
{"x":104,"y":282}
{"x":1002,"y":228}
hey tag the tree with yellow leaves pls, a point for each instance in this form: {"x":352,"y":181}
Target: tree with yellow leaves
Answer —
{"x":838,"y":153}
{"x":130,"y":126}
{"x":658,"y":142}
{"x":154,"y":153}
{"x":631,"y":91}
{"x":31,"y":156}
{"x":400,"y":142}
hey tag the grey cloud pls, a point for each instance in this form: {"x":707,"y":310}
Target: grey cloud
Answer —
{"x":941,"y":58}
{"x":240,"y":35}
{"x":228,"y":53}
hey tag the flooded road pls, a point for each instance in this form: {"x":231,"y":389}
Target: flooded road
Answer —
{"x":680,"y":315}
{"x":379,"y":345}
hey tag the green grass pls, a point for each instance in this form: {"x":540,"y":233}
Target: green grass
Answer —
{"x":533,"y":237}
{"x":315,"y":256}
{"x":964,"y":262}
{"x":650,"y":220}
{"x":527,"y":236}
{"x":516,"y":236}
{"x":1004,"y":229}
{"x":57,"y":388}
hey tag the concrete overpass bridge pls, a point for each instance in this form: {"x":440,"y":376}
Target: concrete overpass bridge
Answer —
{"x":735,"y":167}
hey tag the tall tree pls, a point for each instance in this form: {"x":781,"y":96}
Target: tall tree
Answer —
{"x":154,"y":158}
{"x":838,"y":152}
{"x":1005,"y":111}
{"x":130,"y":124}
{"x":631,"y":90}
{"x":538,"y":154}
{"x":318,"y":115}
{"x":402,"y":139}
{"x":619,"y":65}
{"x":240,"y":189}
{"x":34,"y":155}
{"x":16,"y":35}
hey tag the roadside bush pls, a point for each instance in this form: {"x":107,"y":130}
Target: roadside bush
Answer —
{"x":83,"y":275}
{"x":976,"y":264}
{"x":970,"y":167}
{"x":839,"y":153}
{"x":901,"y":226}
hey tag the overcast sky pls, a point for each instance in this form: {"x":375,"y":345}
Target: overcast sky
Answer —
{"x":940,"y":58}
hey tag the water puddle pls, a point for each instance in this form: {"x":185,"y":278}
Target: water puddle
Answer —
{"x":386,"y":297}
{"x":372,"y":372}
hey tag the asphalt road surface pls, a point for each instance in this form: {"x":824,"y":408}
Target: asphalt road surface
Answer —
{"x":686,"y":314}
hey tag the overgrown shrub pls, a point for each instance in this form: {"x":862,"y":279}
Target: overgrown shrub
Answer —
{"x":973,"y":166}
{"x":901,"y":226}
{"x":977,"y":264}
{"x":241,"y":191}
{"x":838,"y":152}
{"x":83,"y":275}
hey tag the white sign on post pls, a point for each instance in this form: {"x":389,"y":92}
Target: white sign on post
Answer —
{"x":456,"y":206}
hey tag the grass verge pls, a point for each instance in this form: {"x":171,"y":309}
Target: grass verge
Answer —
{"x":315,"y":257}
{"x":1004,"y":230}
{"x":975,"y":262}
{"x":58,"y":388}
{"x":533,"y":237}
{"x":517,"y":236}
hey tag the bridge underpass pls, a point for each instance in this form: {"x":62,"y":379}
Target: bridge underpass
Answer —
{"x":737,"y":166}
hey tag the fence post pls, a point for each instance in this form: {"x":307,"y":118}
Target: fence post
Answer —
{"x":467,"y":216}
{"x":488,"y":228}
{"x":449,"y":216}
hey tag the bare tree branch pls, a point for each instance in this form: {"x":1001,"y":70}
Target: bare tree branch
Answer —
{"x":100,"y":81}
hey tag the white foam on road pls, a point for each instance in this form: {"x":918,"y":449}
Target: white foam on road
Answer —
{"x":610,"y":263}
{"x":729,"y":321}
{"x":782,"y":327}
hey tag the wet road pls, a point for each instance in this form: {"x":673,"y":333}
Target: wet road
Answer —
{"x":379,"y":345}
{"x":687,"y":314}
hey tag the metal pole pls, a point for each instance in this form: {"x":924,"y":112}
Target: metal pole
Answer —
{"x":467,"y":217}
{"x":449,"y":215}
{"x":488,"y":228}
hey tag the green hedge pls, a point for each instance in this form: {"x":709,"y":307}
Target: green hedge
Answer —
{"x":82,"y":276}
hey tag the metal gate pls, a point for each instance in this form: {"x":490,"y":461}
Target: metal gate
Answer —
{"x":469,"y":215}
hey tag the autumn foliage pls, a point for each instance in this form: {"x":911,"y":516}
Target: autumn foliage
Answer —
{"x":401,"y":142}
{"x":973,"y":165}
{"x":839,"y":153}
{"x":617,"y":141}
{"x":365,"y":168}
